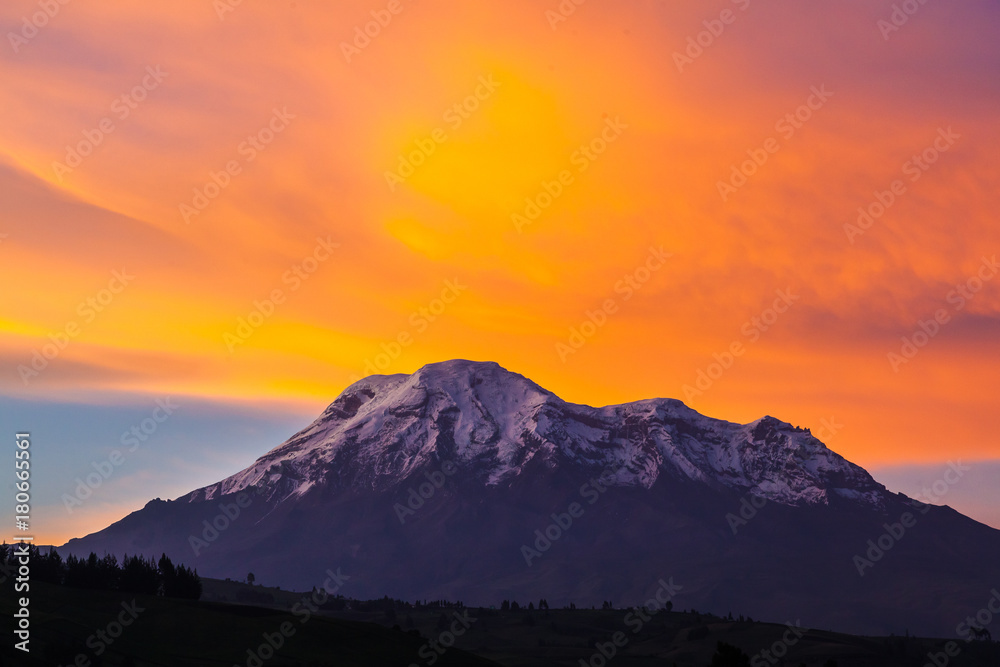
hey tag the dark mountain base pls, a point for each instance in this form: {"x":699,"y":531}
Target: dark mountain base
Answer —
{"x":467,"y":543}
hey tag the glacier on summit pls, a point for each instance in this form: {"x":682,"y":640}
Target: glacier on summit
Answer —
{"x":493,"y":424}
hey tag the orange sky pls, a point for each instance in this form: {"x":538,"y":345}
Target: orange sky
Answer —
{"x":328,"y":131}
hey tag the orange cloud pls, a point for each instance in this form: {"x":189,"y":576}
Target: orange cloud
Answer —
{"x":204,"y":135}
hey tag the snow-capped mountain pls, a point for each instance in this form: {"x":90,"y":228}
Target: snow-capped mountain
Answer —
{"x":492,"y":424}
{"x":460,"y":481}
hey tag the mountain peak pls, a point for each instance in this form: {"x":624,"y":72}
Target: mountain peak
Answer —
{"x":462,"y":373}
{"x":496,"y":425}
{"x":454,"y":373}
{"x":452,"y":367}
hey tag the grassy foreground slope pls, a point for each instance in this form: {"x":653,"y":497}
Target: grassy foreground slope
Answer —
{"x":228,"y":627}
{"x":676,"y":638}
{"x":183,"y":633}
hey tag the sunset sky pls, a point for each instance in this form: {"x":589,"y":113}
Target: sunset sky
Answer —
{"x":240,"y":206}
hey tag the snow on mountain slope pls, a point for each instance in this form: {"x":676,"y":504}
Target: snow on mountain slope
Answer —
{"x":491,"y":423}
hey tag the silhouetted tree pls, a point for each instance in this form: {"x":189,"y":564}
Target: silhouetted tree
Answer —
{"x":76,"y":572}
{"x":111,"y":573}
{"x":139,"y":575}
{"x":251,"y":578}
{"x":168,"y":576}
{"x":135,"y":574}
{"x":727,"y":655}
{"x":188,"y":583}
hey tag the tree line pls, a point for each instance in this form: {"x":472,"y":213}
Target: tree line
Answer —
{"x":134,"y":574}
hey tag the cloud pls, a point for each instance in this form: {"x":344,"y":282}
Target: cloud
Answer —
{"x":977,"y":493}
{"x":323,"y":175}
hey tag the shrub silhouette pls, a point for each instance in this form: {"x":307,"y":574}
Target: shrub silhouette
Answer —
{"x":727,"y":655}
